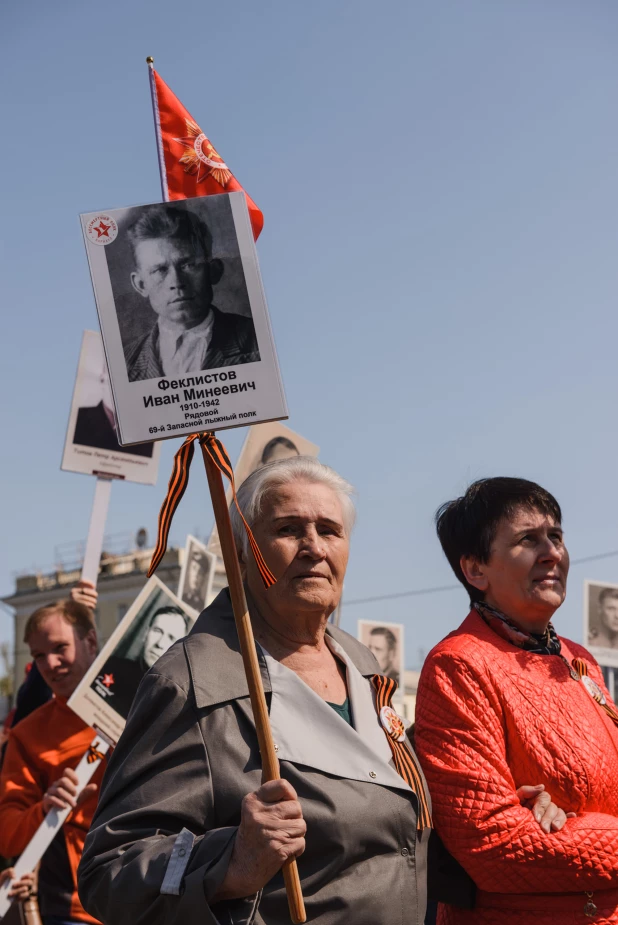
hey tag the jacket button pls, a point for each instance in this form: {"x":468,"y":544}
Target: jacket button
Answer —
{"x":182,"y":852}
{"x":373,"y":774}
{"x":404,"y":852}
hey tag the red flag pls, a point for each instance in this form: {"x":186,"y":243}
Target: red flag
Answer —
{"x":188,"y":162}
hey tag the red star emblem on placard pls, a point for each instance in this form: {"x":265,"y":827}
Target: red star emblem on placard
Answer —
{"x":102,"y":230}
{"x":108,"y":680}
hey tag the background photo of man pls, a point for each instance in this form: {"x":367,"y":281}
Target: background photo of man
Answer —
{"x":96,"y":424}
{"x":384,"y":646}
{"x":278,"y":448}
{"x":120,"y":676}
{"x":175,"y":273}
{"x":43,"y":750}
{"x":196,"y":582}
{"x":385,"y":642}
{"x":264,"y":444}
{"x":603,"y":631}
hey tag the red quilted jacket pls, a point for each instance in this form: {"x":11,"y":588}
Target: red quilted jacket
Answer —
{"x":489,"y":718}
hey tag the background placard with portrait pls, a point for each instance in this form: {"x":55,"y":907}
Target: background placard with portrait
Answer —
{"x":91,"y":445}
{"x":183,"y":315}
{"x":601,"y":621}
{"x":264,"y":443}
{"x":385,"y":641}
{"x":196,"y":576}
{"x":154,"y":622}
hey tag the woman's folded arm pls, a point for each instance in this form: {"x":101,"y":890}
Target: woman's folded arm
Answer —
{"x":459,"y":736}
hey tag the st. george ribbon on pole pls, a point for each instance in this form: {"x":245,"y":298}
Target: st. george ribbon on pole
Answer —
{"x":270,"y":762}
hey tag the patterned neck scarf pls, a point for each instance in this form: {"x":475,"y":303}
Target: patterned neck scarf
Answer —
{"x":546,"y":643}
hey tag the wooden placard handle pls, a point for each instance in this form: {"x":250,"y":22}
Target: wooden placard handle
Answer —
{"x":29,"y":913}
{"x":270,"y":762}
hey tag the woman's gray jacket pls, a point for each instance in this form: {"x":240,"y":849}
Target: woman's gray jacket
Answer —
{"x":167,"y":818}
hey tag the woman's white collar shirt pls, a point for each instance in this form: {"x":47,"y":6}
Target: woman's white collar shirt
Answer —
{"x":165,"y":826}
{"x":307,"y":731}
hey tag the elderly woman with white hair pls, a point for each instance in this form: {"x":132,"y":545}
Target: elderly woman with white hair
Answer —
{"x":185,"y":833}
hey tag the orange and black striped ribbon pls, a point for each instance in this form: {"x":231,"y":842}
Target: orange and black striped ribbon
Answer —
{"x":581,"y":668}
{"x":178,"y":482}
{"x":94,"y":754}
{"x":406,"y":763}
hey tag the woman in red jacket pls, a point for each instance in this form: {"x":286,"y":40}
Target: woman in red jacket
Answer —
{"x":504,"y":700}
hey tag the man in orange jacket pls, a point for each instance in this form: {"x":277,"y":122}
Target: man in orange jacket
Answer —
{"x":42,"y":752}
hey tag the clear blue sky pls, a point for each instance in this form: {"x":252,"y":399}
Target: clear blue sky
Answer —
{"x":438,"y":180}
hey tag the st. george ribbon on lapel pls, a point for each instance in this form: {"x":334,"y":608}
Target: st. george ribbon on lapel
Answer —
{"x":404,"y":759}
{"x":178,"y":482}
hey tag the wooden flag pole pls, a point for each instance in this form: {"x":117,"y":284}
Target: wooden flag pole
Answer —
{"x":270,"y":762}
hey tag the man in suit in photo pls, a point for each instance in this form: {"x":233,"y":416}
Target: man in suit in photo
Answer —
{"x":175,"y":272}
{"x":96,"y":425}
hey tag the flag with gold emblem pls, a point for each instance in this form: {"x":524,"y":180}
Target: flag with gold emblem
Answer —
{"x":189,"y":164}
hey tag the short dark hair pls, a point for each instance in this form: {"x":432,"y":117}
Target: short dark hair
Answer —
{"x":171,"y":609}
{"x":391,"y":640}
{"x":607,"y":593}
{"x":467,"y":525}
{"x":165,"y":221}
{"x":277,"y":441}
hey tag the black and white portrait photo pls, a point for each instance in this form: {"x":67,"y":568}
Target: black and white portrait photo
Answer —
{"x":278,"y":448}
{"x":179,"y":290}
{"x":601,"y":621}
{"x":196,"y":576}
{"x":267,"y":443}
{"x":385,"y":641}
{"x":158,"y":625}
{"x":92,"y":444}
{"x":183,"y":315}
{"x":154,"y":622}
{"x":96,"y":423}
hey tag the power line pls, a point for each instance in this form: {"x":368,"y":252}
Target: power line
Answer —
{"x":390,"y":597}
{"x":418,"y":591}
{"x":601,"y":555}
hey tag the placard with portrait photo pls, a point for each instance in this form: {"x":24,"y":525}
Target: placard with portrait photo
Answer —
{"x":385,"y":641}
{"x":154,"y":622}
{"x":91,"y":445}
{"x":183,"y":316}
{"x":196,"y":576}
{"x":264,"y":443}
{"x":601,"y":621}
